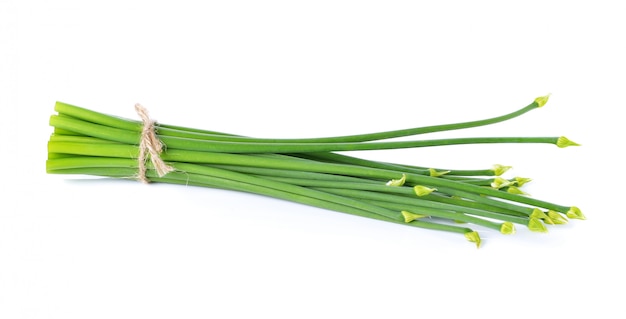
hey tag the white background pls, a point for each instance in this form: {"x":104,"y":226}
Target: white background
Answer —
{"x":113,"y":249}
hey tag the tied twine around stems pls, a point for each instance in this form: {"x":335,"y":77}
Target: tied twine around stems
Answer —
{"x":149,"y":146}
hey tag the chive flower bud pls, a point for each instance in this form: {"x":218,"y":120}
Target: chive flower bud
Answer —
{"x":473,"y":237}
{"x":542,"y":100}
{"x":434,"y":173}
{"x":535,"y":225}
{"x":397,"y":182}
{"x":557,"y":218}
{"x":500,"y":169}
{"x":500,"y":182}
{"x":563,"y":142}
{"x":507,"y":228}
{"x":521,"y":181}
{"x":409,"y":217}
{"x":575,"y":213}
{"x":423,"y":190}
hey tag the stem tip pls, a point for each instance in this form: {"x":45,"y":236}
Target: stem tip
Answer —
{"x":507,"y":228}
{"x":557,"y":218}
{"x":542,"y":100}
{"x":500,"y":182}
{"x":473,"y":237}
{"x":535,"y":225}
{"x":575,"y":213}
{"x":520,"y":181}
{"x":397,"y":182}
{"x":423,"y":190}
{"x":409,"y":217}
{"x":434,"y":173}
{"x":500,"y":169}
{"x":565,"y":142}
{"x":516,"y":190}
{"x":538,"y":214}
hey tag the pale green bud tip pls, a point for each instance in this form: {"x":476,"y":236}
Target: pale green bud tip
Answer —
{"x":397,"y":182}
{"x":500,"y":169}
{"x":500,"y":182}
{"x":409,"y":217}
{"x":434,"y":173}
{"x":565,"y":142}
{"x":473,"y":237}
{"x":557,"y":218}
{"x":538,"y":213}
{"x":575,"y":213}
{"x":542,"y":100}
{"x":520,"y":181}
{"x":548,"y":221}
{"x":507,"y":228}
{"x":535,"y":224}
{"x":423,"y":190}
{"x":515,"y":190}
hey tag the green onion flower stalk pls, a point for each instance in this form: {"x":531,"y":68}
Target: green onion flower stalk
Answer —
{"x":310,"y":171}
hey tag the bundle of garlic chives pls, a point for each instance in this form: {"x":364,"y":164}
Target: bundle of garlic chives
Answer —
{"x":308,"y":171}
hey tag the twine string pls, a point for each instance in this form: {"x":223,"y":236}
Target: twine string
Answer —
{"x":149,"y":147}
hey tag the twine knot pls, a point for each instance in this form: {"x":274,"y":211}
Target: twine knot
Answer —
{"x":149,"y":146}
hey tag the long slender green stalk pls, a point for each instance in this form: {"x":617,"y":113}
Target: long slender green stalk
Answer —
{"x":458,"y":217}
{"x":217,"y":178}
{"x":201,"y":171}
{"x":412,"y":202}
{"x":170,"y":130}
{"x":183,"y":143}
{"x":176,"y":155}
